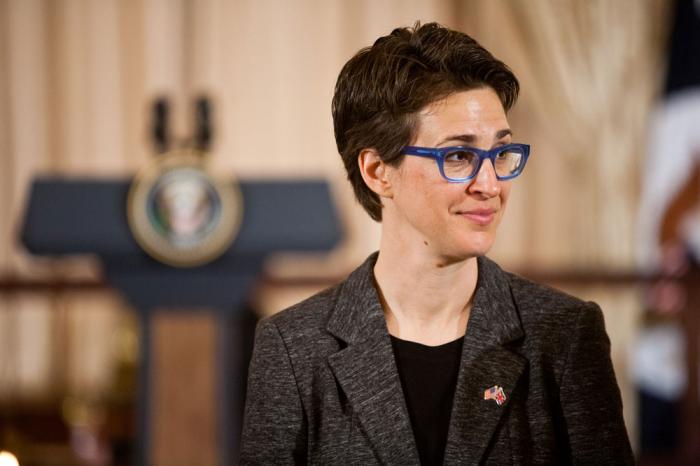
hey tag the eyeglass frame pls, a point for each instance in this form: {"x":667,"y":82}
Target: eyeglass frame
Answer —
{"x":439,"y":154}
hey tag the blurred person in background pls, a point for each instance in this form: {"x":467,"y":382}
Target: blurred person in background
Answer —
{"x":664,"y":362}
{"x":429,"y":353}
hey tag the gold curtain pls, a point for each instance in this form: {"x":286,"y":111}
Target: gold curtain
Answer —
{"x":77,"y":78}
{"x":76,"y":81}
{"x":589,"y":72}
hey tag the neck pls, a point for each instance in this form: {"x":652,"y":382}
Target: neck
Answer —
{"x":426,"y":298}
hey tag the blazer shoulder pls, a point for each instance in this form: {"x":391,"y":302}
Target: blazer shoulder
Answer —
{"x":551,"y":317}
{"x":532,"y":297}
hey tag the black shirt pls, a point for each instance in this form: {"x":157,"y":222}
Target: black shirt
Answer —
{"x":428,"y":376}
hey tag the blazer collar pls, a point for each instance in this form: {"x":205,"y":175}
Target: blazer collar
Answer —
{"x":358,"y":314}
{"x":366,"y":368}
{"x":493,"y":309}
{"x":487,"y":361}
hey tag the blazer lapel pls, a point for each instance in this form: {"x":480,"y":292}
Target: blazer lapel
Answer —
{"x":366,"y":369}
{"x":486,"y":362}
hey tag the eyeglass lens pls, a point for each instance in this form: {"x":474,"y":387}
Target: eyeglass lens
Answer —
{"x":461,"y":164}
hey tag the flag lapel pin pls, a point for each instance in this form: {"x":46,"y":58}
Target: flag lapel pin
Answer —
{"x":495,"y":393}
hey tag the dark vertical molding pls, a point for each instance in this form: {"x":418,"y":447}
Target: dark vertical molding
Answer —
{"x":145,"y":385}
{"x":228,"y":426}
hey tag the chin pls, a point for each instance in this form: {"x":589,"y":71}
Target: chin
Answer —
{"x":459,"y":251}
{"x":477,"y":244}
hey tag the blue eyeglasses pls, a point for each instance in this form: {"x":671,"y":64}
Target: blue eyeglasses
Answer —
{"x":460,"y":164}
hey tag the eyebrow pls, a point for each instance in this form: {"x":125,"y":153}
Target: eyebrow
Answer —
{"x":470,"y":138}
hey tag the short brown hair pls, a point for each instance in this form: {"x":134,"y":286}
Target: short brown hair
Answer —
{"x":380,"y":90}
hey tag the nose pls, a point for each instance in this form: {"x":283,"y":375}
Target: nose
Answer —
{"x":485,"y":182}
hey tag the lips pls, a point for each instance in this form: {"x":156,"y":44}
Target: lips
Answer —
{"x":481,"y":217}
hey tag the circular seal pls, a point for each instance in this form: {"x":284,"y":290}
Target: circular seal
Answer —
{"x":180,"y":214}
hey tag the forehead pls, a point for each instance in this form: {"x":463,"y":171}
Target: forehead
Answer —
{"x":476,"y":112}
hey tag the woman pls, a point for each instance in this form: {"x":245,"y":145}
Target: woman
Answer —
{"x":429,"y":353}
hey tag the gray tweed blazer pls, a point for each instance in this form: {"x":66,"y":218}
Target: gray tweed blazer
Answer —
{"x":323,"y":387}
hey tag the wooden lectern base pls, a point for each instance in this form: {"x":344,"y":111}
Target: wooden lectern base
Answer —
{"x":183,"y":425}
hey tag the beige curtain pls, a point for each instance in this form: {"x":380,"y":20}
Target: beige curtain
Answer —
{"x":76,"y":81}
{"x":589,"y":72}
{"x":77,"y":78}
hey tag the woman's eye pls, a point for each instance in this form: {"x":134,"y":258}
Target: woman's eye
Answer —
{"x":459,"y":156}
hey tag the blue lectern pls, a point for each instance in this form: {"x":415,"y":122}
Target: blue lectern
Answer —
{"x":74,"y":216}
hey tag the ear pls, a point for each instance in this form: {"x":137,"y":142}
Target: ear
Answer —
{"x":375,"y":172}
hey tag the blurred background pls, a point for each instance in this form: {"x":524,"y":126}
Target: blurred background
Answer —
{"x":606,"y":209}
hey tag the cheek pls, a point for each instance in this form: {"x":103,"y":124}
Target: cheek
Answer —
{"x":505,"y":193}
{"x":416,"y":184}
{"x":426,"y":201}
